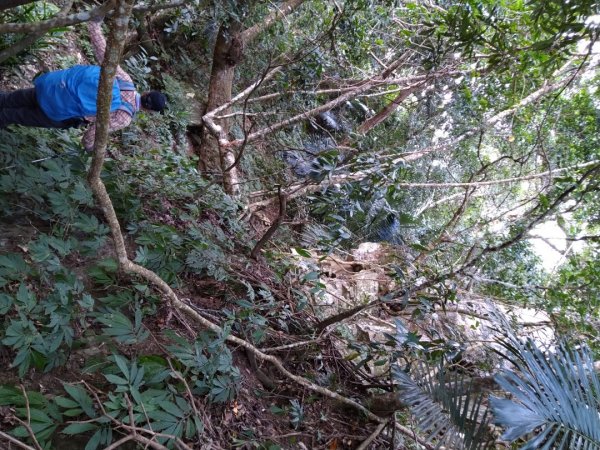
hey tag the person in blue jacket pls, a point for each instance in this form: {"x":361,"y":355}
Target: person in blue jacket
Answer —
{"x":67,"y":98}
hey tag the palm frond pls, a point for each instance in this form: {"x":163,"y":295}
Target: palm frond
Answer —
{"x":554,"y":395}
{"x":447,"y":407}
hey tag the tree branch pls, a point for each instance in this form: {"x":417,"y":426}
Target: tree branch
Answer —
{"x":366,"y":86}
{"x":271,"y":231}
{"x":365,"y":444}
{"x":279,"y":13}
{"x":30,"y":39}
{"x":299,"y":189}
{"x":80,"y":17}
{"x":58,"y":21}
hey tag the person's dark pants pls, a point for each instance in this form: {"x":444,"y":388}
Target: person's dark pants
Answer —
{"x":21,"y":108}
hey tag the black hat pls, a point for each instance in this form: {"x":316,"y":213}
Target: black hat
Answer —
{"x":154,"y":100}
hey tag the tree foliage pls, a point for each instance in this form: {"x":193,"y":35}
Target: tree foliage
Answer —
{"x":448,"y":130}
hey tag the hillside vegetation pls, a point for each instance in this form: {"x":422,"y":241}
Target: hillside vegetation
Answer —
{"x":360,"y":224}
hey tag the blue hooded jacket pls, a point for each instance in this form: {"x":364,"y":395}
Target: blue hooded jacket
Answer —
{"x":73,"y":93}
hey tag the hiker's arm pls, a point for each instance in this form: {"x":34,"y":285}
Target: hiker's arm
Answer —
{"x":118,"y":119}
{"x":99,"y":44}
{"x":97,"y":39}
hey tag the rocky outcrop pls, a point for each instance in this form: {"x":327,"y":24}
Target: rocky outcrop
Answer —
{"x":467,"y":327}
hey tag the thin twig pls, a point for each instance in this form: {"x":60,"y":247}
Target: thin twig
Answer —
{"x":15,"y":441}
{"x":28,"y":424}
{"x":178,"y":376}
{"x":372,"y":437}
{"x":271,"y":231}
{"x":120,"y":442}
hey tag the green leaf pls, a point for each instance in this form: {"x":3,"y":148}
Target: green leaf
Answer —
{"x":82,"y":398}
{"x":303,"y":252}
{"x":94,"y":441}
{"x":65,"y":402}
{"x":26,"y":297}
{"x":310,"y":276}
{"x":172,"y":408}
{"x":6,"y":303}
{"x":73,"y":412}
{"x":35,"y":414}
{"x":122,"y":362}
{"x":115,"y":379}
{"x":277,"y":411}
{"x":93,"y":364}
{"x":15,"y":263}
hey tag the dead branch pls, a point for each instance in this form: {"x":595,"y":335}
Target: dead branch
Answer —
{"x":27,"y":424}
{"x":389,"y":109}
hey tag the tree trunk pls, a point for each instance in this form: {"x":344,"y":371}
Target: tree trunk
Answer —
{"x":217,"y":160}
{"x":228,"y":52}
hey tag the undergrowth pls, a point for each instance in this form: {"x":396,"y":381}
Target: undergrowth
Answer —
{"x":61,"y":291}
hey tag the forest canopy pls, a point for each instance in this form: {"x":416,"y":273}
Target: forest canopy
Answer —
{"x":357,"y":224}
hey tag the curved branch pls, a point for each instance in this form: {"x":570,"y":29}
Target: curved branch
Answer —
{"x":111,"y":60}
{"x":30,"y":39}
{"x":80,"y":17}
{"x":58,"y":21}
{"x":280,"y":13}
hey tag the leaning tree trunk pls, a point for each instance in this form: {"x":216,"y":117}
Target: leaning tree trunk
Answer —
{"x":214,"y":160}
{"x":218,"y":161}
